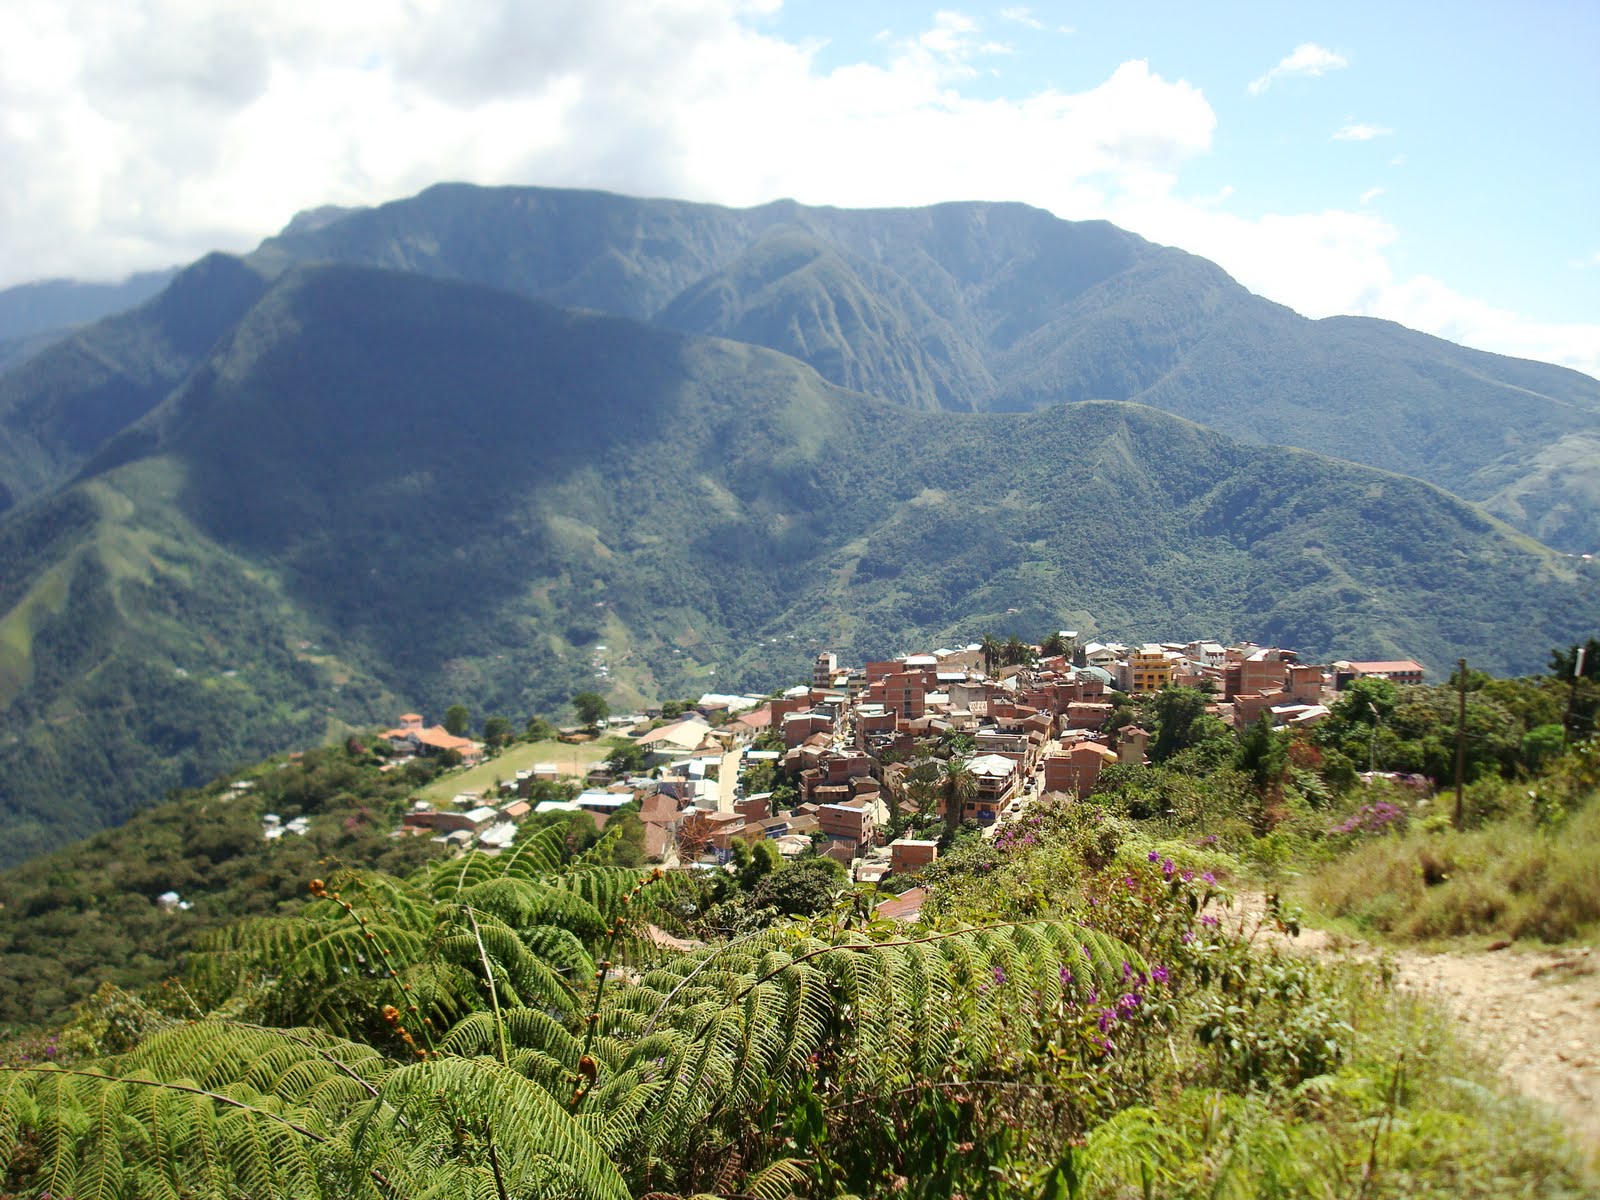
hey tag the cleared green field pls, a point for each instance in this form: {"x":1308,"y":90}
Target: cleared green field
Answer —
{"x":569,"y":760}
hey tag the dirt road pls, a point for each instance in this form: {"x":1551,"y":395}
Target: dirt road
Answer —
{"x":1535,"y":1012}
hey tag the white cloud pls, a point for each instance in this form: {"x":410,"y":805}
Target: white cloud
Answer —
{"x":1371,"y":194}
{"x":1308,"y":58}
{"x":290,"y":104}
{"x":1022,"y":16}
{"x":1360,"y":133}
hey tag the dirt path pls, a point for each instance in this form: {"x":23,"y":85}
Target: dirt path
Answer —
{"x":1535,"y":1012}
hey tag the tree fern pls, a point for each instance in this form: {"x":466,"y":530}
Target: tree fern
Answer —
{"x":543,"y":1072}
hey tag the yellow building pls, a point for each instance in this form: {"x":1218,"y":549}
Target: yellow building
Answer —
{"x":1150,"y":668}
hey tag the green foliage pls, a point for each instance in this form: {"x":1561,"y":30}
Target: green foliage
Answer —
{"x":591,"y":708}
{"x":1179,"y":715}
{"x":628,"y":758}
{"x":805,"y":888}
{"x":80,"y":917}
{"x":1526,"y":874}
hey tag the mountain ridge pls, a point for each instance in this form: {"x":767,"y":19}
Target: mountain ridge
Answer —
{"x":379,"y":488}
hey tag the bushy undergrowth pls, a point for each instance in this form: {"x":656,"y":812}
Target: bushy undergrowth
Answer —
{"x":1517,"y":875}
{"x":1271,"y":1074}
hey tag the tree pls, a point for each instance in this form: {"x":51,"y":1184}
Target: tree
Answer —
{"x":539,"y":730}
{"x":591,"y":708}
{"x":802,"y":889}
{"x":1053,"y":646}
{"x":1016,"y":652}
{"x":1178,"y":713}
{"x":629,"y":758}
{"x":991,"y":649}
{"x":457,"y":719}
{"x":959,"y":785}
{"x":497,"y":731}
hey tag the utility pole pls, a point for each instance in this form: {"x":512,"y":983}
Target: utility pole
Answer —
{"x":1572,"y":694}
{"x":1461,"y":738}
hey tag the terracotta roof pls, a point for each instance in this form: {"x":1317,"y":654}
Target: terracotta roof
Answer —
{"x":440,"y":738}
{"x":907,"y":906}
{"x":758,"y":719}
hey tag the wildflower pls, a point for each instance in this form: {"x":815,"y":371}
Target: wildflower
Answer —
{"x":1066,"y":977}
{"x":1208,"y":919}
{"x":1208,"y":877}
{"x":1188,"y":876}
{"x":1107,"y":1019}
{"x":1154,"y":856}
{"x":1127,"y":971}
{"x":1167,"y":867}
{"x":1159,"y":973}
{"x":999,"y":975}
{"x":1188,"y":936}
{"x":1129,"y":1001}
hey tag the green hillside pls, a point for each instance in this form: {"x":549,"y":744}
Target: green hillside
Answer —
{"x":385,"y":490}
{"x":60,"y":405}
{"x":1004,"y":307}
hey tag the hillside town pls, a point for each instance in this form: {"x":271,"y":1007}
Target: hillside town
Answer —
{"x":856,"y":763}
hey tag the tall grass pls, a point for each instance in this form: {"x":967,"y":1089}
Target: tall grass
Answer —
{"x":1509,"y":878}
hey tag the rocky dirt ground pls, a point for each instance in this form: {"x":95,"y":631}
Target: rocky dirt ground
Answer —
{"x":1535,"y":1012}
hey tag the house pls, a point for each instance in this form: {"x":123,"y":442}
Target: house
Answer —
{"x":1150,"y":669}
{"x":1396,"y":671}
{"x":410,"y":736}
{"x":850,"y":821}
{"x":682,"y":737}
{"x":911,"y":854}
{"x":997,"y":784}
{"x":1075,"y":771}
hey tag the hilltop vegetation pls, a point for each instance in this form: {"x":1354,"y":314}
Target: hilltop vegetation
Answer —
{"x":1090,"y":1013}
{"x":382,"y":486}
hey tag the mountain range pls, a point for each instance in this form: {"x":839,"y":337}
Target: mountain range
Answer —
{"x":480,"y":444}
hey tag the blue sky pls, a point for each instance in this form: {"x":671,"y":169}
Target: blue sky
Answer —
{"x":1431,"y":163}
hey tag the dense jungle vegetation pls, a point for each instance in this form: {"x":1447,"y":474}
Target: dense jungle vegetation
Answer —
{"x":1086,"y":1007}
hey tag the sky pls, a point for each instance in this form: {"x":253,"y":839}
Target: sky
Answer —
{"x":1427,"y":162}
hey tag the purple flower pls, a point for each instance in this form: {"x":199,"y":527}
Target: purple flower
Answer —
{"x":1108,"y":1018}
{"x":1159,"y":973}
{"x":1188,"y":876}
{"x":1208,"y":919}
{"x":1066,"y":977}
{"x":999,"y":975}
{"x":1167,"y":867}
{"x":1127,"y":971}
{"x":1128,"y":1002}
{"x":1094,"y":996}
{"x":1209,"y":877}
{"x":1188,"y":936}
{"x":1154,"y":856}
{"x":1105,"y":1044}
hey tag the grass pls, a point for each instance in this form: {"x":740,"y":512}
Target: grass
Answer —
{"x":1507,"y":879}
{"x":569,"y":760}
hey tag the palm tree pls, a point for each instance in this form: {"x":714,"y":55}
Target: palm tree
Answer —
{"x":991,"y":648}
{"x":1016,"y":652}
{"x":959,"y":785}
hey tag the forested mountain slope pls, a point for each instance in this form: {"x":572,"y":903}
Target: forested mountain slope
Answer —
{"x":1000,"y":306}
{"x":386,"y":489}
